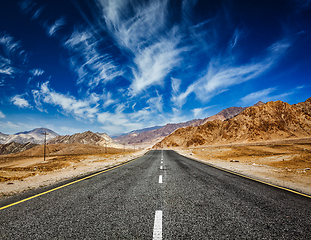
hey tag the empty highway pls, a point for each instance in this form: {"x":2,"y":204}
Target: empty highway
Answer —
{"x":161,"y":195}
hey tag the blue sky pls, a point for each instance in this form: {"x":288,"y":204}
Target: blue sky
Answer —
{"x":119,"y":65}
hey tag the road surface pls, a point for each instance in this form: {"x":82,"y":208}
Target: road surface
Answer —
{"x":161,"y":195}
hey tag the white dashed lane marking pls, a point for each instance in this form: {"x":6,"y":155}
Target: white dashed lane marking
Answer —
{"x":157,"y":227}
{"x":160,"y":179}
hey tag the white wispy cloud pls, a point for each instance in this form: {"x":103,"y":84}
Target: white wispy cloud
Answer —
{"x":51,"y":30}
{"x":27,"y":5}
{"x":123,"y":121}
{"x":266,"y":95}
{"x":301,"y":87}
{"x":37,"y":96}
{"x":107,"y":99}
{"x":144,"y":32}
{"x":37,"y":13}
{"x":179,"y":99}
{"x":117,"y":122}
{"x":5,"y":66}
{"x":156,"y":103}
{"x":175,"y":85}
{"x":37,"y":72}
{"x":135,"y":29}
{"x":2,"y":115}
{"x":31,"y":7}
{"x":258,"y":96}
{"x":200,"y":112}
{"x":19,"y":101}
{"x":153,"y":64}
{"x":9,"y":126}
{"x":12,"y":56}
{"x":80,"y":109}
{"x":91,"y":66}
{"x":223,"y":72}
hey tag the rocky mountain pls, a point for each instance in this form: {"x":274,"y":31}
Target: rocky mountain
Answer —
{"x":14,"y":147}
{"x":33,"y":136}
{"x":229,"y":113}
{"x":271,"y":121}
{"x":90,"y":138}
{"x":105,"y":136}
{"x":153,"y":135}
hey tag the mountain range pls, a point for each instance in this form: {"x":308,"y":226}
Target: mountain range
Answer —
{"x":88,"y":137}
{"x":60,"y":144}
{"x":270,"y":121}
{"x":155,"y":134}
{"x":260,"y":122}
{"x":34,"y":136}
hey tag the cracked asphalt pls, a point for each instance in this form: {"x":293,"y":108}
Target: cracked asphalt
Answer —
{"x":197,"y":201}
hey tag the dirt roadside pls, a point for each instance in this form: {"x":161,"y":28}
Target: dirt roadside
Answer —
{"x":284,"y":163}
{"x":281,"y":163}
{"x":26,"y":173}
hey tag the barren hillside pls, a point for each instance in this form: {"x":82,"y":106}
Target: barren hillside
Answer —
{"x":61,"y":149}
{"x":153,"y":135}
{"x":273,"y":120}
{"x":14,"y":147}
{"x":138,"y":137}
{"x":90,"y":138}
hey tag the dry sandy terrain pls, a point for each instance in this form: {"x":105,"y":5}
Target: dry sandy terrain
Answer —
{"x":284,"y":163}
{"x":18,"y":173}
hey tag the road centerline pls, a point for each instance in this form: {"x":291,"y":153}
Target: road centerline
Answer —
{"x":160,"y":179}
{"x":157,"y":227}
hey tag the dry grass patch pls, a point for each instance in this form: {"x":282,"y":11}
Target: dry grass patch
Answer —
{"x":59,"y":156}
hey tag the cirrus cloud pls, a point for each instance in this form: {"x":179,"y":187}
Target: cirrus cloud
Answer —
{"x":19,"y":101}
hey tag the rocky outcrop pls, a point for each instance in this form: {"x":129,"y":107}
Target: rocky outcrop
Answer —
{"x":88,"y":137}
{"x":271,"y":121}
{"x":14,"y":147}
{"x":138,"y":137}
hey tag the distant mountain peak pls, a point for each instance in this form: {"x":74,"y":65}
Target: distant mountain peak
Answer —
{"x":32,"y":136}
{"x":37,"y":130}
{"x":258,"y":104}
{"x":88,"y":137}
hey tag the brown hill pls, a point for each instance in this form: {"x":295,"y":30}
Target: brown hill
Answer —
{"x":84,"y":138}
{"x":154,"y":135}
{"x":89,"y":138}
{"x":14,"y":147}
{"x":229,"y":113}
{"x":273,"y":120}
{"x":225,"y":114}
{"x":62,"y":149}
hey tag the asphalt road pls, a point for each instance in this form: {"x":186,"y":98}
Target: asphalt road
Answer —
{"x":193,"y":201}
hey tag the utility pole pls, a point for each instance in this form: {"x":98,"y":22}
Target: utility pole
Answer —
{"x":105,"y":145}
{"x":45,"y":133}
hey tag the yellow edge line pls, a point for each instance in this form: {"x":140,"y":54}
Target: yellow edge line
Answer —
{"x":65,"y":185}
{"x":254,"y":179}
